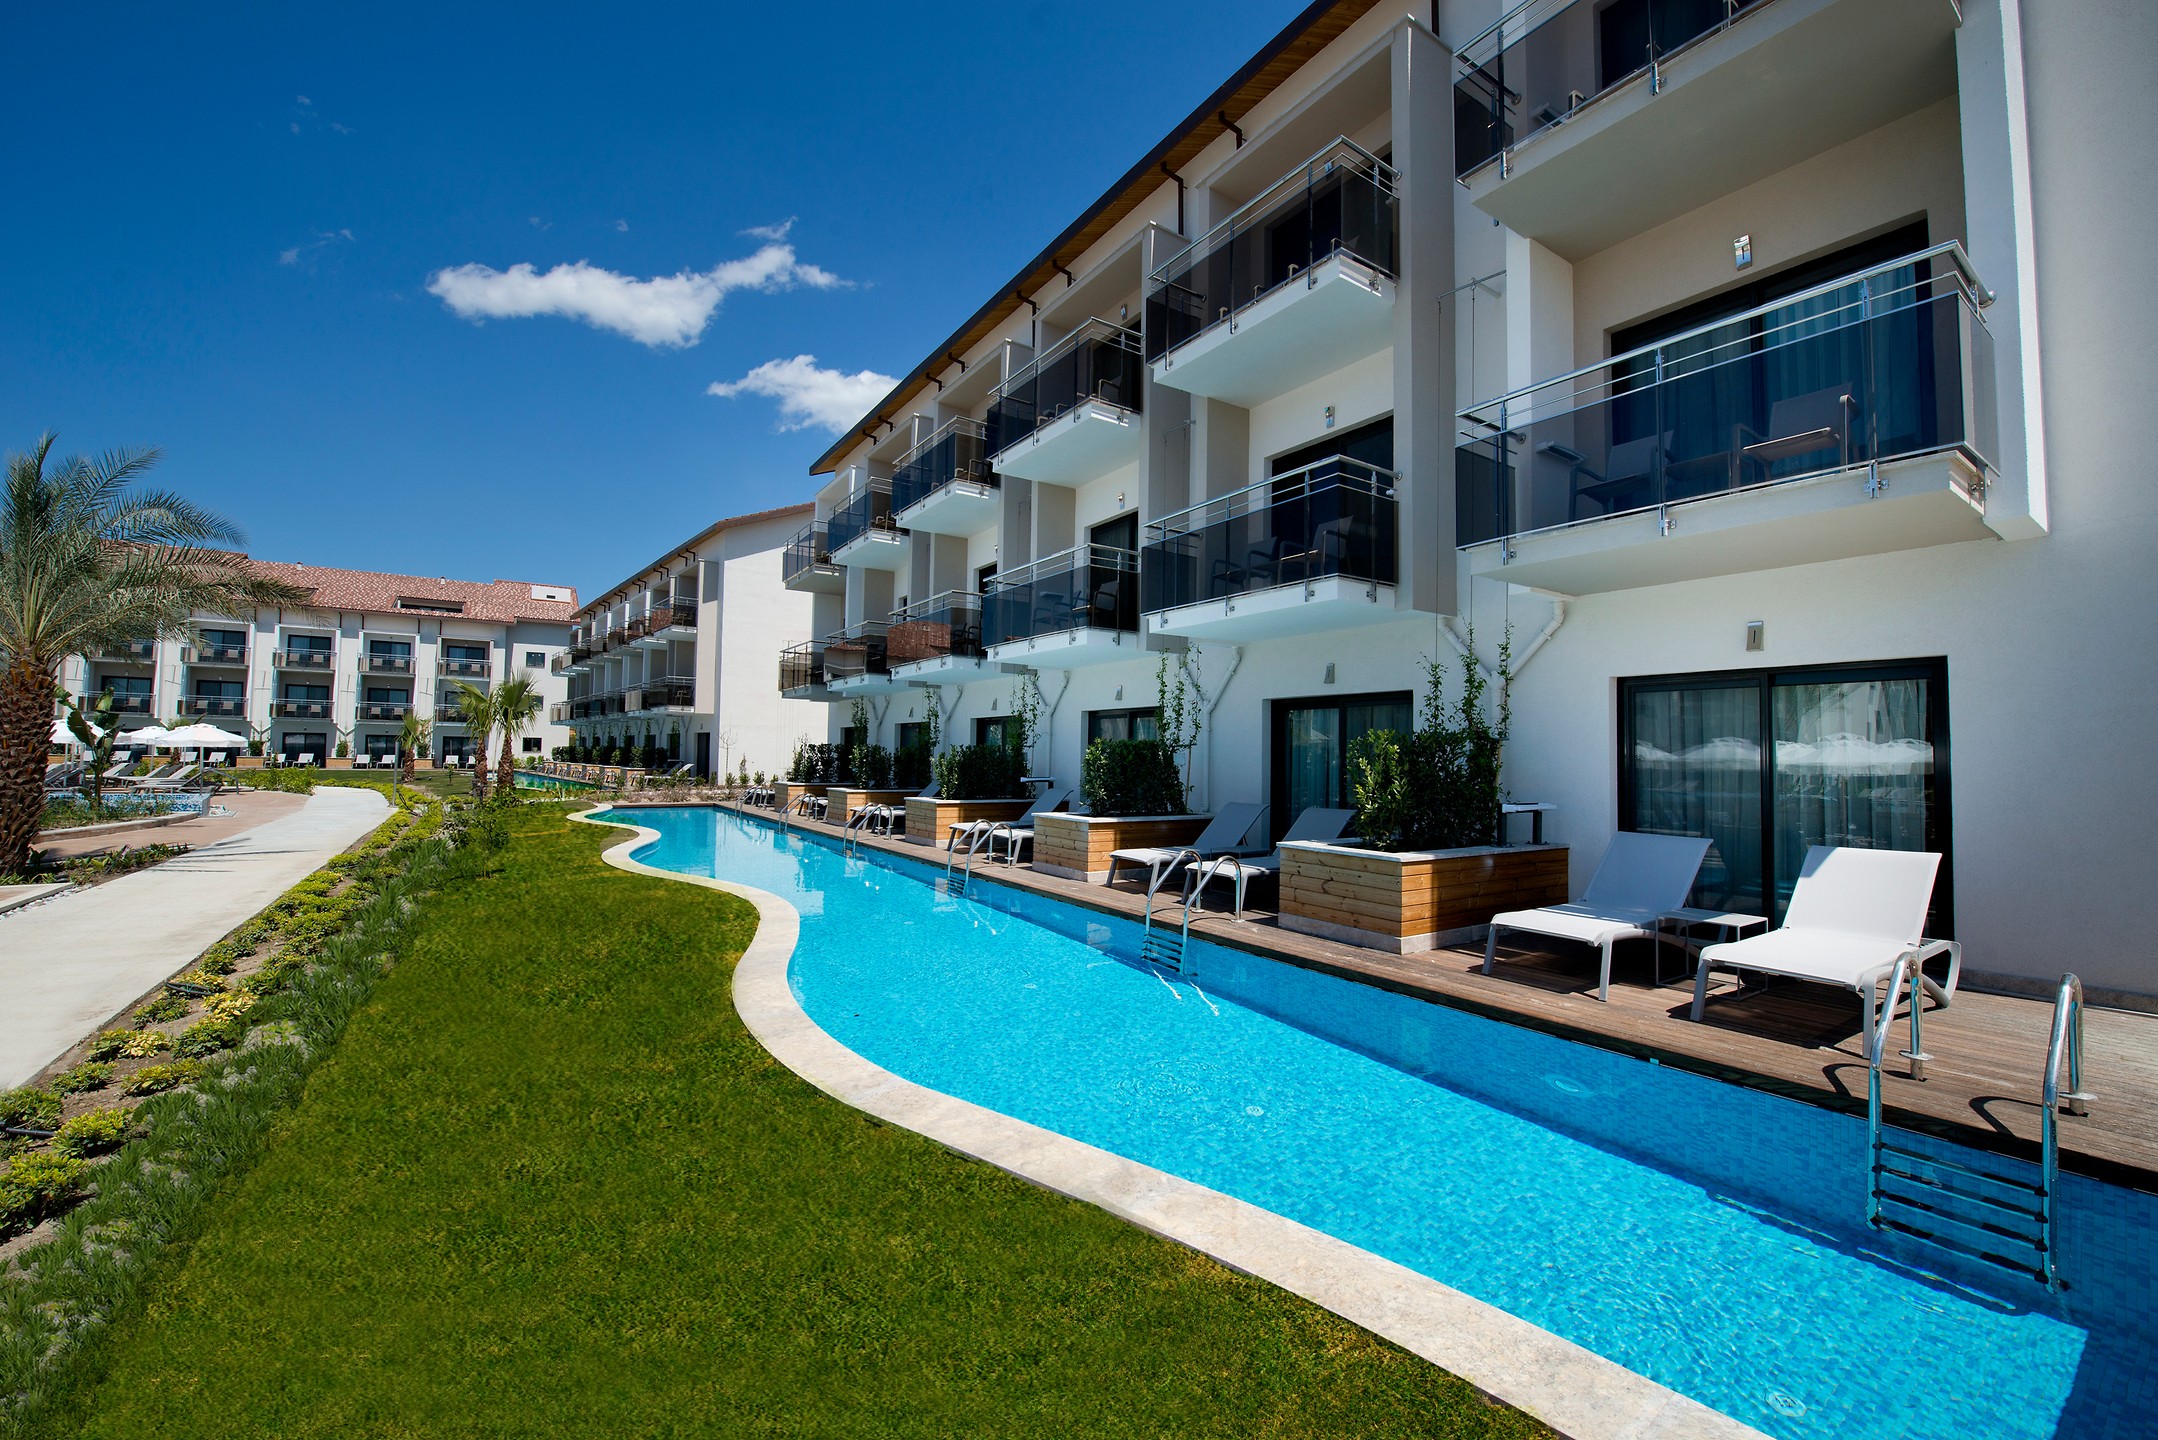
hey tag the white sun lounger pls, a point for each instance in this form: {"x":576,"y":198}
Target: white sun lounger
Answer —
{"x":1641,"y":879}
{"x":1013,"y":836}
{"x":975,"y":833}
{"x":1316,"y":823}
{"x":1228,"y":833}
{"x":1853,"y":914}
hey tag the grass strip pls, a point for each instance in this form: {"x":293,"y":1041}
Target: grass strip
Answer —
{"x":549,"y":1185}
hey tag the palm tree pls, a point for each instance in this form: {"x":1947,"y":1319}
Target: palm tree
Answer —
{"x":412,"y":740}
{"x":517,"y":704}
{"x":86,"y":562}
{"x":476,"y":707}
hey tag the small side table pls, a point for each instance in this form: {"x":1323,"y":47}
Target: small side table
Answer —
{"x":1729,"y":924}
{"x":1534,"y":809}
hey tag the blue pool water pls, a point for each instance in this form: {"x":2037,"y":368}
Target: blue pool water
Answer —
{"x":533,"y":780}
{"x":1707,"y":1236}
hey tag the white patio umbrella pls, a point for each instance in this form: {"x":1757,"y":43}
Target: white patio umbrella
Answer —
{"x":203,"y":737}
{"x":61,"y":735}
{"x":147,"y":735}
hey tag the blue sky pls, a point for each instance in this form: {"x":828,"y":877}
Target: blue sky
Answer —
{"x":230,"y":226}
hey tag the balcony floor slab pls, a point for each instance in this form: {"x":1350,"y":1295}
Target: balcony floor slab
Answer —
{"x":1338,"y":312}
{"x":943,"y":669}
{"x":958,"y":508}
{"x":1071,"y":649}
{"x":1085,"y":443}
{"x":876,"y":550}
{"x":1923,"y":502}
{"x":1333,"y":602}
{"x":866,"y":685}
{"x":818,"y":580}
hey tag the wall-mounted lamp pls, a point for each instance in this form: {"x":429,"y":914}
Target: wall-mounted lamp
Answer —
{"x":1329,"y":417}
{"x":1756,"y":635}
{"x":1742,"y":251}
{"x":1120,"y":692}
{"x":1329,"y":673}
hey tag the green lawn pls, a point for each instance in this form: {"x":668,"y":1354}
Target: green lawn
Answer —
{"x":548,"y":1185}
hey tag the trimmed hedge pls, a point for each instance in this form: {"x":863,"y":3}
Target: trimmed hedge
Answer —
{"x":1131,"y":777}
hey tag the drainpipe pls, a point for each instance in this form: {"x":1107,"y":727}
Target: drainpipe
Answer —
{"x":1236,"y":662}
{"x":1558,"y":618}
{"x":1049,"y":714}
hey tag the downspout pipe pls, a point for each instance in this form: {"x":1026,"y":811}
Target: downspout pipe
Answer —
{"x":1236,"y":662}
{"x":1461,"y":646}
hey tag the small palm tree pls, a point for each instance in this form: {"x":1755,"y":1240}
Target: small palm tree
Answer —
{"x":517,"y":704}
{"x":412,"y":740}
{"x":476,"y":707}
{"x":85,"y":562}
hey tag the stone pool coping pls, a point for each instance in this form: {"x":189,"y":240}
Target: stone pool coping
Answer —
{"x":1574,"y":1390}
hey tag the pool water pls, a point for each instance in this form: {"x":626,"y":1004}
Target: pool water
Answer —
{"x":533,"y":780}
{"x":1705,"y":1235}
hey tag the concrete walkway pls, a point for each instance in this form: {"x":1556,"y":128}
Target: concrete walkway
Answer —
{"x":69,"y":964}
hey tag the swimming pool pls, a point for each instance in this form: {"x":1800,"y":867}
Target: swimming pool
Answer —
{"x":1707,"y":1236}
{"x":533,"y":780}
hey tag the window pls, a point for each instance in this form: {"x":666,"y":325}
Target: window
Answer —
{"x":1139,"y":724}
{"x":223,"y":639}
{"x":982,"y":577}
{"x":1373,"y":444}
{"x":455,"y":650}
{"x":992,"y":729}
{"x":390,"y":649}
{"x":124,"y":685}
{"x":1311,"y":749}
{"x":430,"y":606}
{"x":910,"y":733}
{"x":531,"y":744}
{"x":535,"y":660}
{"x":1767,"y":763}
{"x":219,"y":690}
{"x":309,"y":644}
{"x":1122,"y":533}
{"x":383,"y":695}
{"x":304,"y":692}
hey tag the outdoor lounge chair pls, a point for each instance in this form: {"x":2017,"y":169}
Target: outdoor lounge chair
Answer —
{"x":879,"y":819}
{"x":304,"y":759}
{"x":1014,"y":836}
{"x":975,"y":832}
{"x":1228,"y":833}
{"x":179,"y":779}
{"x":1316,"y":823}
{"x":1640,"y":880}
{"x":122,"y":762}
{"x":1853,"y":914}
{"x":155,"y":772}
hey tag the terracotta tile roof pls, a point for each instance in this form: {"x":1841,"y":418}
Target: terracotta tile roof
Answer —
{"x":501,"y":601}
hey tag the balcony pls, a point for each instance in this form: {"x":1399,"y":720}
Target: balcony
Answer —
{"x":213,"y":705}
{"x":1852,"y":419}
{"x":1580,"y":124}
{"x":1315,"y":549}
{"x":300,"y":709}
{"x":558,"y":712}
{"x":857,"y":661}
{"x":128,"y":652}
{"x":1073,"y":415}
{"x":806,"y":565}
{"x":801,"y":671}
{"x":456,"y":669}
{"x":1077,"y":607}
{"x":937,"y":638}
{"x":673,"y":692}
{"x":584,"y":709}
{"x":945,"y":485}
{"x":386,"y":662}
{"x":863,"y":532}
{"x":384,"y":709}
{"x":1295,"y":285}
{"x":304,"y":659}
{"x":562,"y":664}
{"x":222,"y":656}
{"x":128,"y":702}
{"x":678,"y":614}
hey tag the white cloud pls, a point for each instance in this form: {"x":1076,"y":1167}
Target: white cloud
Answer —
{"x":323,"y":239}
{"x":622,"y":225}
{"x":666,"y":310}
{"x":808,"y":394}
{"x":773,"y":233}
{"x":303,"y":99}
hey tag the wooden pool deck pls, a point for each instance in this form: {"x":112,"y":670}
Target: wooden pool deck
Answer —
{"x":1983,"y":1081}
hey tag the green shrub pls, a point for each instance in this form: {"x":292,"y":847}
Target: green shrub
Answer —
{"x":1438,"y":788}
{"x":217,"y":961}
{"x":980,"y":772}
{"x":872,"y":767}
{"x":200,"y":979}
{"x":164,"y":1007}
{"x":30,"y":1108}
{"x":91,"y":1133}
{"x":108,"y":1044}
{"x":157,"y":1079}
{"x":33,"y":1186}
{"x":142,"y":1044}
{"x":89,"y":1075}
{"x":210,"y":1036}
{"x":1131,"y":777}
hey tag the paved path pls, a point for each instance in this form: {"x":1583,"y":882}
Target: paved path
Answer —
{"x":70,"y":963}
{"x":248,"y":809}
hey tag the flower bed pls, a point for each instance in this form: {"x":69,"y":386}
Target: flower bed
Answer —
{"x":1413,"y":900}
{"x":1076,"y":847}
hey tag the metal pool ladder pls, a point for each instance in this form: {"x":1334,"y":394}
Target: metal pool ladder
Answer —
{"x":1960,"y":1205}
{"x":1163,"y":946}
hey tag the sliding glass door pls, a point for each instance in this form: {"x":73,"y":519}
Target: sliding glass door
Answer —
{"x":1769,"y":763}
{"x":1311,"y":749}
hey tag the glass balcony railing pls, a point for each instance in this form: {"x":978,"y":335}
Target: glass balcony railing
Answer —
{"x":865,"y":510}
{"x":1547,"y":58}
{"x":558,"y":712}
{"x":946,"y":624}
{"x":226,"y":655}
{"x":678,"y":611}
{"x":128,"y":702}
{"x":464,"y":668}
{"x":1090,"y":587}
{"x":304,"y":659}
{"x":386,"y":662}
{"x":231,"y":706}
{"x":385,"y":709}
{"x":1335,"y":517}
{"x":1097,"y":362}
{"x":128,"y":652}
{"x":958,"y":453}
{"x":1891,"y":363}
{"x":672,"y":692}
{"x":810,"y":550}
{"x":1339,"y":202}
{"x":856,"y":651}
{"x":301,"y":709}
{"x":801,"y":667}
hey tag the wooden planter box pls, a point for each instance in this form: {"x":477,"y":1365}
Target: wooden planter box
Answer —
{"x":248,"y":762}
{"x":786,"y":792}
{"x":842,"y":802}
{"x":1077,"y":847}
{"x":1417,"y":900}
{"x":929,"y":820}
{"x":338,"y":762}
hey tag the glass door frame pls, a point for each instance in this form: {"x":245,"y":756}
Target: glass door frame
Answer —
{"x":1278,"y":819}
{"x":1940,"y":820}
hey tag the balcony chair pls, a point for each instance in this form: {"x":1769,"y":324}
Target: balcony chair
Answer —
{"x":1317,"y":823}
{"x":1853,"y":914}
{"x":1640,"y":880}
{"x":1228,"y":833}
{"x":1627,"y":481}
{"x":1053,"y":612}
{"x":1816,"y":424}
